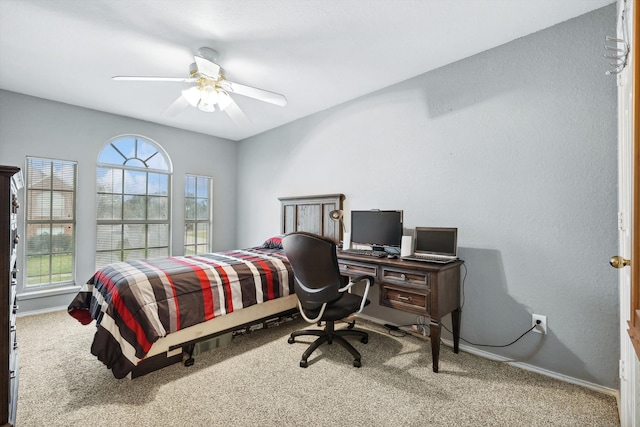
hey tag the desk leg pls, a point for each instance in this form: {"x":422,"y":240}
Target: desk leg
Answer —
{"x":455,"y":322}
{"x":434,"y":334}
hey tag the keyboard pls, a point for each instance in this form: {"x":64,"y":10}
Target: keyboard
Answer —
{"x":366,"y":252}
{"x":428,"y":258}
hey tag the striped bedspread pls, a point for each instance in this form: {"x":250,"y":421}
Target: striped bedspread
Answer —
{"x":135,"y":303}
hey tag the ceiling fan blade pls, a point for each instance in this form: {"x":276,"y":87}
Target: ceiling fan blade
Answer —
{"x":252,"y":92}
{"x":229,"y":106}
{"x":153,"y":79}
{"x":176,"y":107}
{"x":207,"y":67}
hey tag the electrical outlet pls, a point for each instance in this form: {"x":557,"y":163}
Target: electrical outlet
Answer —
{"x":541,"y":327}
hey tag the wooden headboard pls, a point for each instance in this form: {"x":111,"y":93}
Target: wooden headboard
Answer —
{"x":311,"y":214}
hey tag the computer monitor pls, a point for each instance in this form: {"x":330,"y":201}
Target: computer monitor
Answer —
{"x":376,"y":228}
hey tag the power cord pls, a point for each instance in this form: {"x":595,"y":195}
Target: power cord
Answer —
{"x":464,"y":278}
{"x":492,"y":345}
{"x":396,"y":331}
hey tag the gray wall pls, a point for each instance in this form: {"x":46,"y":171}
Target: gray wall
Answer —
{"x":35,"y":127}
{"x":516,"y":147}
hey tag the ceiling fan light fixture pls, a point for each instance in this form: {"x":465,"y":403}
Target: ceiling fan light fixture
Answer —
{"x":192,"y":95}
{"x":212,"y":91}
{"x":208,"y":100}
{"x":207,"y":108}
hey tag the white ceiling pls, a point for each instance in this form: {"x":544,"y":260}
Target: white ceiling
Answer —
{"x":318,"y":53}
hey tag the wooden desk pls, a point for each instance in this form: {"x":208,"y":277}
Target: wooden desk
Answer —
{"x":425,"y":289}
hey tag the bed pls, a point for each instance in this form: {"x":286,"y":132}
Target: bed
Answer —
{"x":150,"y":313}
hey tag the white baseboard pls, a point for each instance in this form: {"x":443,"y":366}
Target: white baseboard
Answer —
{"x":521,"y":365}
{"x":536,"y":369}
{"x":41,"y":311}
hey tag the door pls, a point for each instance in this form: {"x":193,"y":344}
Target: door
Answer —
{"x":628,"y":218}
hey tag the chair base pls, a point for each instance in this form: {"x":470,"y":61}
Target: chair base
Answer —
{"x":329,"y":334}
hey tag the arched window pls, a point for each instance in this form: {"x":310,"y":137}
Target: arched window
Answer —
{"x":133,"y":201}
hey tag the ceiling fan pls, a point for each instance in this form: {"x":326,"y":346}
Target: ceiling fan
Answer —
{"x":212,"y":89}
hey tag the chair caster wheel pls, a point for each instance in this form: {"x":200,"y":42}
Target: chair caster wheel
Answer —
{"x":291,"y":340}
{"x":364,"y":340}
{"x":303,"y":364}
{"x":350,"y":325}
{"x":357,"y":363}
{"x":189,"y":362}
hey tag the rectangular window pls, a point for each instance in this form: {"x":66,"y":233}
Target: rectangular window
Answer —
{"x":50,"y":222}
{"x":197,"y":214}
{"x":133,"y":215}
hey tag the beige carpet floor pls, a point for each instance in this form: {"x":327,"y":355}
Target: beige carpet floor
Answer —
{"x":256,"y":381}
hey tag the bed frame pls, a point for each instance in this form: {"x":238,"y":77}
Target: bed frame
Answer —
{"x":305,"y":213}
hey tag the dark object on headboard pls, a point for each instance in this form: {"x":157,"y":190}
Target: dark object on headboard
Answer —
{"x":312,"y":214}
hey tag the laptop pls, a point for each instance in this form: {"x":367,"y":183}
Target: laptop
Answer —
{"x":434,"y":244}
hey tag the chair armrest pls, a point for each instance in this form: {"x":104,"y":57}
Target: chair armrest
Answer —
{"x":357,"y":279}
{"x":352,"y":281}
{"x":318,"y":317}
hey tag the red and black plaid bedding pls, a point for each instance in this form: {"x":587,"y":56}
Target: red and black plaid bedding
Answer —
{"x":135,"y":303}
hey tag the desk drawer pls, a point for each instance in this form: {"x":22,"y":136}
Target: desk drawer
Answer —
{"x":355,"y":269}
{"x":399,"y":276}
{"x":406,"y":299}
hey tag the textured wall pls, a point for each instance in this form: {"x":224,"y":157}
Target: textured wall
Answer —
{"x":36,"y":127}
{"x":516,"y":147}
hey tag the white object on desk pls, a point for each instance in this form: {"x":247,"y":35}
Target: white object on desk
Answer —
{"x":405,"y":246}
{"x":346,"y":241}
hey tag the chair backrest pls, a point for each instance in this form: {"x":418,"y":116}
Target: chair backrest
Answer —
{"x":315,"y":266}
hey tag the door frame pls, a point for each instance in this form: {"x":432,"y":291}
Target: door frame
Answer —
{"x":634,"y":322}
{"x":629,"y":216}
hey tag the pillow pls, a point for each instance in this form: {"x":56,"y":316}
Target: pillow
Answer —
{"x":273,"y":243}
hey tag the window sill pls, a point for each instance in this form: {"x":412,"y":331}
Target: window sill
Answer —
{"x":43,"y":293}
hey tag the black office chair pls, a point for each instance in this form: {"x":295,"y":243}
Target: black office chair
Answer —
{"x":321,"y":296}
